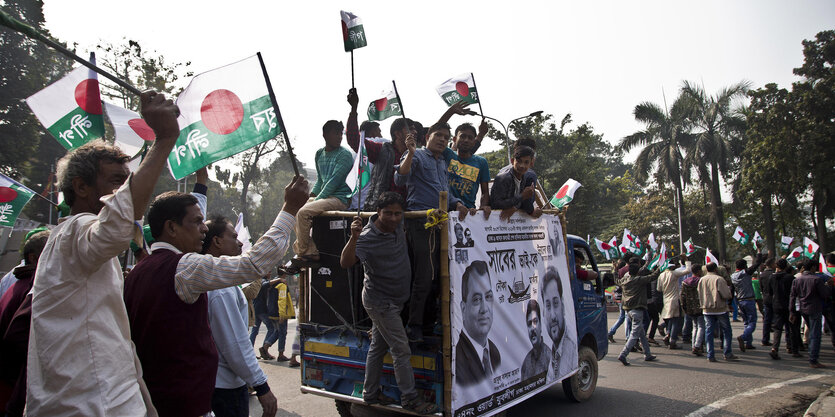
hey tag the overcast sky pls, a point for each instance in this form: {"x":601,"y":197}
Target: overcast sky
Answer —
{"x":594,"y":59}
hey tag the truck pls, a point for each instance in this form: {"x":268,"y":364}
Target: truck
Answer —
{"x":335,"y":332}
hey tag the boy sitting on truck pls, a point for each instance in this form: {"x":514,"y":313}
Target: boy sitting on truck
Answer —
{"x":381,"y":247}
{"x":509,"y":193}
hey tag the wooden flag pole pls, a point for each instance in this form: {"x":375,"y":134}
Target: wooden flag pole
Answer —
{"x":29,"y":31}
{"x":278,"y":115}
{"x":479,"y":99}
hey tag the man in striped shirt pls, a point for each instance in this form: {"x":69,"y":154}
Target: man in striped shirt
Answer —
{"x":165,"y":296}
{"x":333,"y":164}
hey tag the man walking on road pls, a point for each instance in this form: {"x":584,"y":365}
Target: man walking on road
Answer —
{"x":714,"y":295}
{"x":745,"y":298}
{"x":635,"y":303}
{"x":809,"y":292}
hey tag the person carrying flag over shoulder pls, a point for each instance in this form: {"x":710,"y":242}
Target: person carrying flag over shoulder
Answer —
{"x":79,"y":319}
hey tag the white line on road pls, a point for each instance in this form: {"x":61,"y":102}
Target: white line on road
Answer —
{"x":717,"y":405}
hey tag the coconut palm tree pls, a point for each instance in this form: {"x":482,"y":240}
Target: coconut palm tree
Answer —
{"x":665,"y":136}
{"x":712,"y":152}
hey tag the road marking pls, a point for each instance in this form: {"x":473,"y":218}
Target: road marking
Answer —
{"x":717,"y":405}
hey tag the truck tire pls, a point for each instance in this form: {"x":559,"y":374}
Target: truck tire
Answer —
{"x":580,"y":386}
{"x":343,"y":408}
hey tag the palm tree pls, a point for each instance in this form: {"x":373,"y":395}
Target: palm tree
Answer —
{"x":712,"y":152}
{"x":665,"y":136}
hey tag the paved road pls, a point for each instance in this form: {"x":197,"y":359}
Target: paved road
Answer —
{"x":678,"y":384}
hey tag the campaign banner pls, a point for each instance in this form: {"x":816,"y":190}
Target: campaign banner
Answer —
{"x":514,"y":331}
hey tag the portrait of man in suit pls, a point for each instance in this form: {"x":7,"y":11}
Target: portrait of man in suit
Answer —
{"x":476,"y":356}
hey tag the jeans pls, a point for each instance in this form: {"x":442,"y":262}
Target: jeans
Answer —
{"x":721,"y":320}
{"x":387,"y":333}
{"x":767,"y":317}
{"x":735,"y":306}
{"x":628,"y":329}
{"x":231,"y":402}
{"x":262,"y":318}
{"x":698,"y":330}
{"x":280,"y":334}
{"x":687,"y":332}
{"x":674,"y":325}
{"x":814,"y":322}
{"x":638,"y":333}
{"x":426,"y":264}
{"x":748,"y":308}
{"x":304,"y":245}
{"x":621,"y":318}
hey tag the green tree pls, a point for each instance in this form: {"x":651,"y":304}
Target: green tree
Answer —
{"x":663,"y":140}
{"x":712,"y":152}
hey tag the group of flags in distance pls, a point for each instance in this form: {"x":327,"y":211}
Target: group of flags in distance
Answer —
{"x":632,"y":243}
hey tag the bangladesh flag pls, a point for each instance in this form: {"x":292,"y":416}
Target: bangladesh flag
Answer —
{"x":689,"y":247}
{"x":222,"y":112}
{"x":757,"y":239}
{"x":809,"y":247}
{"x":795,"y":254}
{"x":360,"y":175}
{"x":13,"y":196}
{"x":382,"y":109}
{"x":70,"y":108}
{"x":660,"y":260}
{"x":132,"y":133}
{"x":455,"y":89}
{"x":565,"y":193}
{"x":822,"y":266}
{"x":785,"y":242}
{"x":741,"y":236}
{"x":609,"y":252}
{"x":353,"y":34}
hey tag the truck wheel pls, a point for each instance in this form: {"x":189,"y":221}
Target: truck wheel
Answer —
{"x":343,"y":408}
{"x":581,"y":385}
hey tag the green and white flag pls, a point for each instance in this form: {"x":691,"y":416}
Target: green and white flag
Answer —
{"x":359,"y":175}
{"x":689,"y":247}
{"x":382,"y":109}
{"x":353,"y":34}
{"x":741,"y":236}
{"x":565,"y":194}
{"x":13,"y":197}
{"x":809,"y":248}
{"x":455,"y":89}
{"x":794,"y":254}
{"x":70,"y":108}
{"x":222,"y":112}
{"x":785,"y":242}
{"x":757,"y":239}
{"x":609,"y":252}
{"x":660,"y":260}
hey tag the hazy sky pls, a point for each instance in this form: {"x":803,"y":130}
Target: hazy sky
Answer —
{"x":594,"y":59}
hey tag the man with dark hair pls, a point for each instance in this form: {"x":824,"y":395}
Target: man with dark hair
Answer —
{"x":765,"y":288}
{"x":169,"y":287}
{"x":424,"y":173}
{"x":692,"y":306}
{"x":228,"y":316}
{"x":384,"y":155}
{"x":330,"y":192}
{"x":13,"y":352}
{"x":634,"y":284}
{"x":381,"y":247}
{"x":714,"y":295}
{"x":79,"y":321}
{"x":742,"y":281}
{"x":476,"y":356}
{"x":459,"y":236}
{"x":581,"y":273}
{"x":552,"y":297}
{"x":809,"y":292}
{"x":781,"y":285}
{"x":537,"y":360}
{"x":468,"y":172}
{"x":370,"y":129}
{"x":513,"y":190}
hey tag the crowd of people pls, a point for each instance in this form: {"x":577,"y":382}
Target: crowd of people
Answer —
{"x":175,"y":335}
{"x":691,"y":303}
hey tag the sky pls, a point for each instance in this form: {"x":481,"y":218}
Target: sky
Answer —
{"x":593,"y":59}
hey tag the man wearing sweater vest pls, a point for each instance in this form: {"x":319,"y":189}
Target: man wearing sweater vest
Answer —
{"x":166,"y":301}
{"x":81,"y":360}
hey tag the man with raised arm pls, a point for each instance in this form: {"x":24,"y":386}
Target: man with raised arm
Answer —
{"x":81,"y":359}
{"x":166,"y":301}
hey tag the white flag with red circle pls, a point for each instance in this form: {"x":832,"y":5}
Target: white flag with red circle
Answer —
{"x":709,"y":258}
{"x":565,"y":194}
{"x":132,"y":133}
{"x":809,"y":247}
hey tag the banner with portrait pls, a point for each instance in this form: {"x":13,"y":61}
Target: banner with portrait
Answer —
{"x":513,"y":327}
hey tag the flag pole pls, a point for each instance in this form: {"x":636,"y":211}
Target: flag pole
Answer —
{"x":479,"y":100}
{"x":402,"y":112}
{"x":278,"y":115}
{"x":352,"y":68}
{"x":360,"y":149}
{"x":29,"y":31}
